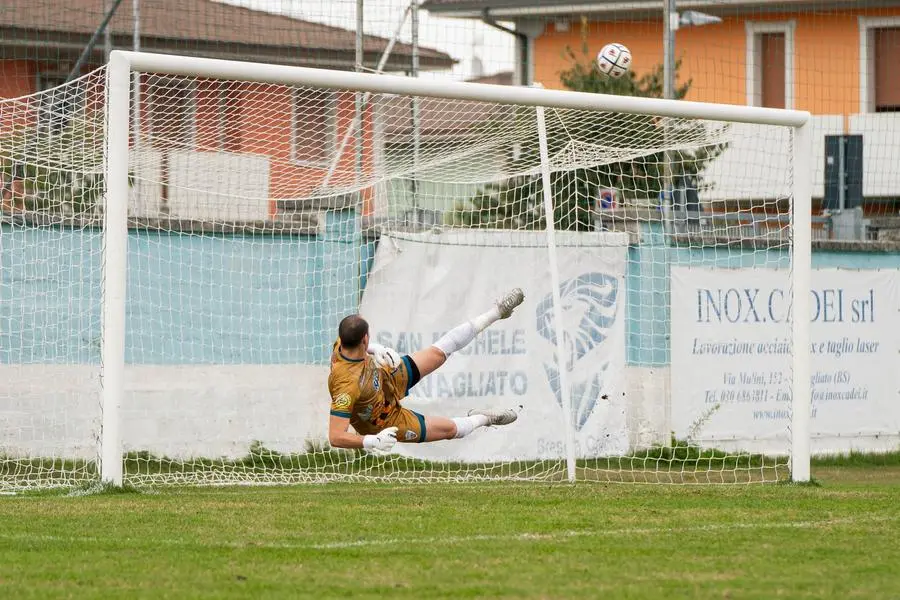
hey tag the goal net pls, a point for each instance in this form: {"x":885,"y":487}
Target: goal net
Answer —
{"x":263,"y":204}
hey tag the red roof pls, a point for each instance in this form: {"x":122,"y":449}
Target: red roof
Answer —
{"x":196,"y":24}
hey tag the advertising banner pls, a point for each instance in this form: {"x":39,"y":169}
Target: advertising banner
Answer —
{"x":421,"y":285}
{"x":731,"y":357}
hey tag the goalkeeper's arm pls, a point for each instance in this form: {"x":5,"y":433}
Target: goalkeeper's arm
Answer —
{"x":339,"y":436}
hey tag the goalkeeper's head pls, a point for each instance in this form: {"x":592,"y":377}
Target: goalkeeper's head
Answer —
{"x":353,"y":332}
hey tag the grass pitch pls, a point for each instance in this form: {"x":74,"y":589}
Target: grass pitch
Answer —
{"x":837,"y":540}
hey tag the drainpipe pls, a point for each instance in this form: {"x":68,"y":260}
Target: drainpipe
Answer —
{"x":523,"y":47}
{"x":91,"y":42}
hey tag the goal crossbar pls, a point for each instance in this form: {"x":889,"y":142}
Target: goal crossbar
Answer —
{"x":480,"y":92}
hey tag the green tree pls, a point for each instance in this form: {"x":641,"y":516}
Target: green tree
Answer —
{"x":60,"y":167}
{"x":619,"y":151}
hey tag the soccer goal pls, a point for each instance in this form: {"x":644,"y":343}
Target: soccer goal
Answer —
{"x":181,"y":236}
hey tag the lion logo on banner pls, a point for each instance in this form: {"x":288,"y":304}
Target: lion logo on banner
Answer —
{"x":590,"y":307}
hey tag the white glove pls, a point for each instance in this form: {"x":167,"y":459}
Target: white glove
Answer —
{"x":383,"y":441}
{"x":385,"y":357}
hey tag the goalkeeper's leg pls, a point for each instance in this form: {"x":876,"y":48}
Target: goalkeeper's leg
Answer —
{"x":431,"y":358}
{"x":413,"y":427}
{"x":442,"y":428}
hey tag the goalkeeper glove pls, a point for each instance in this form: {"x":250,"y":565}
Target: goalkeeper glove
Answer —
{"x":383,"y":441}
{"x":385,"y":357}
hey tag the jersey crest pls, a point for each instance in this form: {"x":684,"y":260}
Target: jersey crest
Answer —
{"x":342,"y":402}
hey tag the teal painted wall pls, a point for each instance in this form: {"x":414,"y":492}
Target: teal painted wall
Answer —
{"x":647,"y":280}
{"x":231,"y":299}
{"x":192,"y":299}
{"x":49,"y":295}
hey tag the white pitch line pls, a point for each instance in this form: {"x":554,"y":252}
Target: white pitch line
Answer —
{"x":565,"y":535}
{"x":558,"y":536}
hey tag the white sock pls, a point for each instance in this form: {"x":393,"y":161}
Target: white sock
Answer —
{"x":461,"y":335}
{"x":456,"y":338}
{"x":466,"y":425}
{"x":483,"y":321}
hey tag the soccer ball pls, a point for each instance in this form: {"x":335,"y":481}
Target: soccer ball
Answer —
{"x":614,"y":60}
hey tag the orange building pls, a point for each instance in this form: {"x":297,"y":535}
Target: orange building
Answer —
{"x":839,"y":60}
{"x":828,"y":57}
{"x":265,"y":145}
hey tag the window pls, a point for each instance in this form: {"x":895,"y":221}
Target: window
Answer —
{"x":887,"y":56}
{"x":217,"y":115}
{"x":879,"y":54}
{"x":313,"y":130}
{"x":172,"y":112}
{"x":770,"y":64}
{"x":57,"y":105}
{"x":229,"y":111}
{"x":771,"y":81}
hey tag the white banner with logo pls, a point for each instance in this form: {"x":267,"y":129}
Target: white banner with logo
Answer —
{"x":421,"y":285}
{"x":731,"y":358}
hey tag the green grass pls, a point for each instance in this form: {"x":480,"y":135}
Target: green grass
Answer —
{"x":510,"y":540}
{"x":858,"y":459}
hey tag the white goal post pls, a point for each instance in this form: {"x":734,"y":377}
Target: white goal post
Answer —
{"x":248,"y":207}
{"x":123,"y":64}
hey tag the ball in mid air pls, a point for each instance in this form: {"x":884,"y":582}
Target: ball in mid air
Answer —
{"x":614,"y":60}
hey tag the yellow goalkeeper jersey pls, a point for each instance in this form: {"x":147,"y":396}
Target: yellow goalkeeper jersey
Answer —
{"x":363,"y":392}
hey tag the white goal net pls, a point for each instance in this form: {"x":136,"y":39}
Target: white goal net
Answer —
{"x":263,"y":208}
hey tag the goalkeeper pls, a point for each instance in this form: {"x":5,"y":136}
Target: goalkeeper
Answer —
{"x":368,"y":380}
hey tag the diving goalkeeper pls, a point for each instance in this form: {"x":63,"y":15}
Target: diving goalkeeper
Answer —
{"x":368,"y":380}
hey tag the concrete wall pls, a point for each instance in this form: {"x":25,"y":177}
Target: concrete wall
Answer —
{"x":649,"y":327}
{"x":179,"y":411}
{"x":229,"y":336}
{"x":648,"y":284}
{"x":210,"y":299}
{"x":227,"y":342}
{"x":209,"y":186}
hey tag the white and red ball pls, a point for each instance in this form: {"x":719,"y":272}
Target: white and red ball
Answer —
{"x":614,"y":60}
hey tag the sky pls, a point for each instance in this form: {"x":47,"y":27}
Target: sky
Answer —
{"x":461,"y":38}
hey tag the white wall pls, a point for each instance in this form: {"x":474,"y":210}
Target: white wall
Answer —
{"x":145,"y":189}
{"x":881,"y":152}
{"x":211,"y":186}
{"x":218,"y":186}
{"x":177,"y":411}
{"x":219,"y":410}
{"x":647,"y":409}
{"x":757,"y":164}
{"x":49,"y":410}
{"x":221,"y":186}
